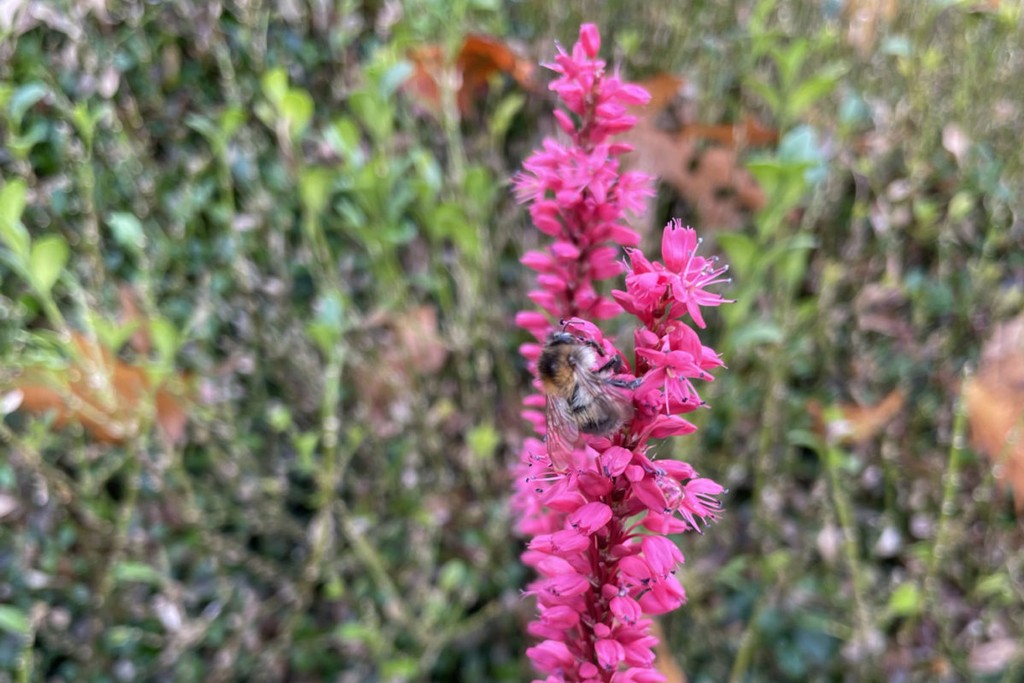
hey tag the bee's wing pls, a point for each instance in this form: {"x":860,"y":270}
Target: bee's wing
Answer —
{"x":611,"y":406}
{"x":562,"y":432}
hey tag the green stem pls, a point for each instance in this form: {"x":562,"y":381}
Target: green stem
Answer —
{"x":950,"y":487}
{"x":844,"y":512}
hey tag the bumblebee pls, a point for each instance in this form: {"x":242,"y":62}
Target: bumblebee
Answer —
{"x":579,"y":398}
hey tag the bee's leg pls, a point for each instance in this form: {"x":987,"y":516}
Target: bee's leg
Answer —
{"x":613,"y":366}
{"x":623,"y":384}
{"x":594,"y":345}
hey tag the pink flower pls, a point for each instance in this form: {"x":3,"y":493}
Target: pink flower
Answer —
{"x":599,"y":569}
{"x":654,"y":290}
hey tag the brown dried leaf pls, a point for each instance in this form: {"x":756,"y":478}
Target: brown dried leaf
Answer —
{"x":670,"y":144}
{"x":111,"y":417}
{"x":664,"y":662}
{"x":994,"y":400}
{"x":857,"y":424}
{"x":750,"y":133}
{"x":883,"y":309}
{"x":401,"y":347}
{"x":993,"y":657}
{"x":420,"y":342}
{"x":130,"y":313}
{"x":478,"y":60}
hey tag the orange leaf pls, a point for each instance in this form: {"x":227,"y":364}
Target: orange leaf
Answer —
{"x":401,"y":349}
{"x":664,"y":88}
{"x":479,"y":59}
{"x":857,"y":424}
{"x":994,"y":400}
{"x":428,"y":63}
{"x":670,"y":144}
{"x":749,"y":133}
{"x":141,"y":342}
{"x":664,"y":662}
{"x":111,"y":416}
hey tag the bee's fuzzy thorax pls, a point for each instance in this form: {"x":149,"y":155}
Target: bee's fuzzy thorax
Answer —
{"x":563,"y":356}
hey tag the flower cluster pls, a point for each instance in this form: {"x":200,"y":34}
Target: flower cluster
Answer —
{"x":597,"y":526}
{"x":577,"y":194}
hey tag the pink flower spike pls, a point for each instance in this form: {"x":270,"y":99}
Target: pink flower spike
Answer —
{"x":566,"y":251}
{"x":550,"y":655}
{"x":625,"y":609}
{"x":615,"y":460}
{"x":678,"y":244}
{"x":632,"y":94}
{"x":566,"y":585}
{"x":598,"y":568}
{"x":590,"y":39}
{"x":590,"y":517}
{"x":561,"y":616}
{"x":662,"y":554}
{"x":609,"y":653}
{"x":565,"y":122}
{"x":670,"y":425}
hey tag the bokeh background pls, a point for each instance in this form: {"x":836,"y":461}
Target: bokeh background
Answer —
{"x":259,"y":381}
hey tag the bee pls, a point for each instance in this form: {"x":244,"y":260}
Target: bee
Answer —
{"x":580,"y":399}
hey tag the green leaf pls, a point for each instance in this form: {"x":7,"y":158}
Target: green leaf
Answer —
{"x":429,"y":173}
{"x":995,"y":587}
{"x":315,"y":189}
{"x":449,"y":222}
{"x":21,"y":145}
{"x":355,"y":632}
{"x":120,"y":636}
{"x":453,"y":575}
{"x":758,"y":333}
{"x":275,"y":86}
{"x":353,"y":218}
{"x":12,"y":232}
{"x":127,"y":231}
{"x":230,"y":120}
{"x":740,"y":249}
{"x":23,"y":99}
{"x":202,"y":125}
{"x":279,"y":417}
{"x":961,"y":205}
{"x":768,"y":93}
{"x":328,"y":325}
{"x":896,"y":46}
{"x":375,"y":114}
{"x":483,"y":440}
{"x":305,"y":445}
{"x":790,"y":59}
{"x":814,"y":88}
{"x":345,"y":138}
{"x":136,"y":571}
{"x":297,"y":107}
{"x":400,"y":668}
{"x":49,"y":256}
{"x":111,"y":334}
{"x":394,"y":77}
{"x":479,"y":186}
{"x":85,"y":121}
{"x":166,"y":338}
{"x":905,"y":601}
{"x":13,"y":620}
{"x":504,"y":114}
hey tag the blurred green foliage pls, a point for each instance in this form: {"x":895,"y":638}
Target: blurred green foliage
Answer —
{"x":333,"y":272}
